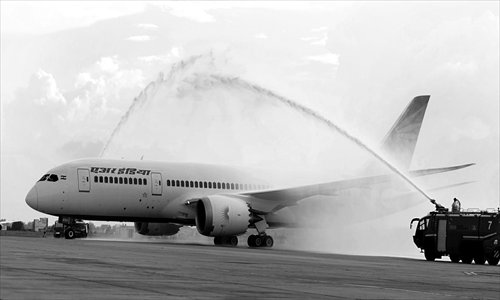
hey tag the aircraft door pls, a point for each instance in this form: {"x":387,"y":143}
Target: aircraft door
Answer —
{"x":83,"y":180}
{"x":156,"y":184}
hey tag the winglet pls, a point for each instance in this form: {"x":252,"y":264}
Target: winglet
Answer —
{"x":399,"y":143}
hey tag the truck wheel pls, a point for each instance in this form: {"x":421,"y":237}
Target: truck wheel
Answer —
{"x":467,"y":259}
{"x":429,"y":255}
{"x":454,"y":258}
{"x":479,"y":259}
{"x":69,"y":234}
{"x":492,"y":260}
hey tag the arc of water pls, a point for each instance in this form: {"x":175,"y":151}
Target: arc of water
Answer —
{"x":235,"y":81}
{"x":311,"y":113}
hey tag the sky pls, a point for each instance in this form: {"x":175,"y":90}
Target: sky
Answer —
{"x":71,"y":71}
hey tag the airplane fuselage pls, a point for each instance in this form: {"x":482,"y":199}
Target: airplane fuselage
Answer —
{"x":120,"y":190}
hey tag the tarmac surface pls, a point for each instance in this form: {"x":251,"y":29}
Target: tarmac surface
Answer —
{"x":48,"y":268}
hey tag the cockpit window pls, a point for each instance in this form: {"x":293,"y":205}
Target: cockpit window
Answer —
{"x":44,"y":177}
{"x":53,"y":178}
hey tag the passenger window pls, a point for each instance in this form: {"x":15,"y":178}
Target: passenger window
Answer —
{"x":121,"y":180}
{"x":205,"y":184}
{"x":232,"y":186}
{"x":223,"y":185}
{"x":209,"y":185}
{"x":100,"y":179}
{"x":218,"y":185}
{"x":96,"y":179}
{"x":105,"y":179}
{"x":191,"y":184}
{"x":177,"y":183}
{"x":130,"y":181}
{"x":182,"y":183}
{"x":135,"y":180}
{"x":116,"y":180}
{"x":196,"y":184}
{"x":237,"y":186}
{"x":145,"y":181}
{"x":140,"y":181}
{"x":168,"y":182}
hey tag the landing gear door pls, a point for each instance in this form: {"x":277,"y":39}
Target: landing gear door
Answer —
{"x":156,"y":184}
{"x":83,"y":180}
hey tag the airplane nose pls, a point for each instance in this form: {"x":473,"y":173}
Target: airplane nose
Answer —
{"x":32,"y":198}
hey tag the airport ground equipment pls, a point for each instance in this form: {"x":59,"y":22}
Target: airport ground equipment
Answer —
{"x":70,"y":228}
{"x":463,"y":236}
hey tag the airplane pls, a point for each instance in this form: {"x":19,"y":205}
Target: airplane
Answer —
{"x":221,"y":201}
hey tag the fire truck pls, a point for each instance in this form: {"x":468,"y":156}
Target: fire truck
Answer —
{"x":77,"y":229}
{"x":466,"y":236}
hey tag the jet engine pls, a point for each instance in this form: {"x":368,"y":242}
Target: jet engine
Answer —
{"x":146,"y":228}
{"x":222,"y":216}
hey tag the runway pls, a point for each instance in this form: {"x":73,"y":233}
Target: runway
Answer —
{"x":48,"y":268}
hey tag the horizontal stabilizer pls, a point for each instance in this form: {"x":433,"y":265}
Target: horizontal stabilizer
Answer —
{"x":424,"y":172}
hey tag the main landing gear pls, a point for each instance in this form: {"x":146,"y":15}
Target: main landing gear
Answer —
{"x":260,"y":240}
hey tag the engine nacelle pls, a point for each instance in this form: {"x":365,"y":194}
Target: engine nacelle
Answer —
{"x":222,"y":216}
{"x":146,"y":228}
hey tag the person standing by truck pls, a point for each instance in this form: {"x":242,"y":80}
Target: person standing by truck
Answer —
{"x":455,"y":207}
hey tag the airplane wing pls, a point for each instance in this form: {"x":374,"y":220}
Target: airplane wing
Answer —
{"x":272,"y":200}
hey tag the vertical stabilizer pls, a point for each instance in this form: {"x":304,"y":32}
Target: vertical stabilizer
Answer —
{"x":399,"y":143}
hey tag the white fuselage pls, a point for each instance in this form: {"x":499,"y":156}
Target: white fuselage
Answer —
{"x":120,"y":190}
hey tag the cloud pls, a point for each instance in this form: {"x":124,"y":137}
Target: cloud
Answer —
{"x":327,"y":58}
{"x":43,"y":89}
{"x":108,"y":64}
{"x":191,"y":11}
{"x":148,"y":26}
{"x":174,"y":54}
{"x":261,"y":36}
{"x":318,"y":40}
{"x":139,"y":38}
{"x":470,"y":128}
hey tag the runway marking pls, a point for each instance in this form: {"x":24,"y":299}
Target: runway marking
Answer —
{"x":470,"y":273}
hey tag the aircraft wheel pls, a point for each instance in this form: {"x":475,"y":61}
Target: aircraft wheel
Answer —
{"x":233,"y":241}
{"x":258,"y":241}
{"x":69,"y":234}
{"x":268,"y":241}
{"x":251,"y":241}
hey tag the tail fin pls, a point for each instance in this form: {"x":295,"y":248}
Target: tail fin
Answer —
{"x":399,"y":143}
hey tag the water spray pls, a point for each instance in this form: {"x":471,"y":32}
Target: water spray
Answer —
{"x":237,"y":82}
{"x":311,"y":113}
